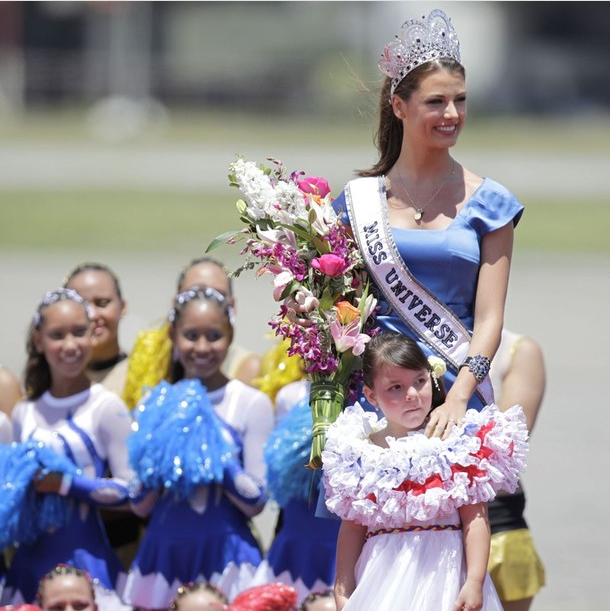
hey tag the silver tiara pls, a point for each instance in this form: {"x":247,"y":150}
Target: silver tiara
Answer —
{"x":58,"y":295}
{"x":198,"y":292}
{"x":418,"y":42}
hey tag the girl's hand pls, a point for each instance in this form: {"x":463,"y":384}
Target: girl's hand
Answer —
{"x":48,"y":483}
{"x":444,"y":418}
{"x":470,"y":597}
{"x":340,"y":602}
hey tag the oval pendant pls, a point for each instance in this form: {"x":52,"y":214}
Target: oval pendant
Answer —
{"x":418,"y":214}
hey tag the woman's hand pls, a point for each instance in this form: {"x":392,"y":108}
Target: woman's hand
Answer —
{"x":445,"y":417}
{"x":48,"y":483}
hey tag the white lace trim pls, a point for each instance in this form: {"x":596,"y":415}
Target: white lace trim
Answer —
{"x":419,"y":478}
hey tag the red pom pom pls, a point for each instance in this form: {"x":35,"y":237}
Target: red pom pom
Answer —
{"x":269,"y":597}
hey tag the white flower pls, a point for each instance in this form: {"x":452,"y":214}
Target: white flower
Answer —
{"x":255,"y":187}
{"x":325,"y":216}
{"x":304,"y":297}
{"x":289,"y":204}
{"x":438,"y":366}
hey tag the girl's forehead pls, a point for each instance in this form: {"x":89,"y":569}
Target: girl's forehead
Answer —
{"x":91,"y":278}
{"x":389,"y":370}
{"x":68,"y":584}
{"x":203,"y":308}
{"x":63,"y":308}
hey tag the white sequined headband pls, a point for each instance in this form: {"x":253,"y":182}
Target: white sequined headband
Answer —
{"x":58,"y":295}
{"x":206,"y":292}
{"x":418,"y":42}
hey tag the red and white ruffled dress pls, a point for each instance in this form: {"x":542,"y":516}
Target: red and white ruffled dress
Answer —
{"x":407,"y":495}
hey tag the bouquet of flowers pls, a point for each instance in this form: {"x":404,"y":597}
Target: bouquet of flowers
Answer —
{"x":292,"y":232}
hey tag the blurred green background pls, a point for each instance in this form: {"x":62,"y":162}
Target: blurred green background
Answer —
{"x":142,"y":219}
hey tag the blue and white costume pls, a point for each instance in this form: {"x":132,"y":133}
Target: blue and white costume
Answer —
{"x":199,"y":528}
{"x":88,"y":432}
{"x":303,"y":551}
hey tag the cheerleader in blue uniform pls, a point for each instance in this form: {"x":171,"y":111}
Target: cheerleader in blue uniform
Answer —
{"x":302,"y":554}
{"x":68,"y":433}
{"x":198,"y":454}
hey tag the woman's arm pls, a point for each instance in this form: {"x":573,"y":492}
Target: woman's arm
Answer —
{"x":492,"y":287}
{"x":525,"y":381}
{"x":113,"y":421}
{"x":249,"y":369}
{"x":10,"y":391}
{"x":350,"y":542}
{"x":477,"y":538}
{"x":246,"y":488}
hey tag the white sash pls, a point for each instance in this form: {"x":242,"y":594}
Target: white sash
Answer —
{"x":428,"y":317}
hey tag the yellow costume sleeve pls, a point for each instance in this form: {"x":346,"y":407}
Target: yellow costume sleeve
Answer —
{"x":278,"y":369}
{"x":149,"y":363}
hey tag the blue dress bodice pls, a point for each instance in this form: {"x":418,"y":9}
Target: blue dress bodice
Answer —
{"x":447,"y":261}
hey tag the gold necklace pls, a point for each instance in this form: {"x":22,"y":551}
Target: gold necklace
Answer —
{"x":419,"y":210}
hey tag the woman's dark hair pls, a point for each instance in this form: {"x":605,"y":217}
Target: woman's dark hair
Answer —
{"x":392,"y":348}
{"x":197,"y":293}
{"x":202,"y":261}
{"x":95,"y":267}
{"x":388,"y":138}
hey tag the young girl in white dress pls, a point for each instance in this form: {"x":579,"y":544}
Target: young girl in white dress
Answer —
{"x":414,"y":533}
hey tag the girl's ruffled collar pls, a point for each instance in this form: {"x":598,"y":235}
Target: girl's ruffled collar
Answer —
{"x":416,"y":477}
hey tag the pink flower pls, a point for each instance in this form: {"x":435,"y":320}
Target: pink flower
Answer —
{"x":330,"y":265}
{"x":314,"y":185}
{"x":348,"y":337}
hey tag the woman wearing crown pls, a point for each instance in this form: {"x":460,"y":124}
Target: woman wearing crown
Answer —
{"x":436,"y":237}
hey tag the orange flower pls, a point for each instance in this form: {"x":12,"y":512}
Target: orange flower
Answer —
{"x":346,"y":312}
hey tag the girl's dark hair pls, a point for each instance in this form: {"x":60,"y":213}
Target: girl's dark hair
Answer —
{"x":37,"y":375}
{"x":195,"y":586}
{"x":201,"y":261}
{"x":95,"y":267}
{"x":197,"y":293}
{"x":392,"y":348}
{"x":63,"y":569}
{"x":388,"y":138}
{"x":313,"y":596}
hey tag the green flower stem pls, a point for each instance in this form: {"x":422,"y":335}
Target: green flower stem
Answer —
{"x":326,"y":400}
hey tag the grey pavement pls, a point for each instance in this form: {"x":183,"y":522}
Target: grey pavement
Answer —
{"x":192,"y":167}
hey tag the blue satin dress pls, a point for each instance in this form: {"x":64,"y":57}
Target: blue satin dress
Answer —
{"x":447,"y":261}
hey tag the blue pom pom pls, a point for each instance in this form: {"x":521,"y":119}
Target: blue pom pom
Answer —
{"x":178,"y":441}
{"x":24,"y":514}
{"x":287,"y":454}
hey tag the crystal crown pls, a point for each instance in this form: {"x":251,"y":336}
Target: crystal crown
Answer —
{"x":418,"y":42}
